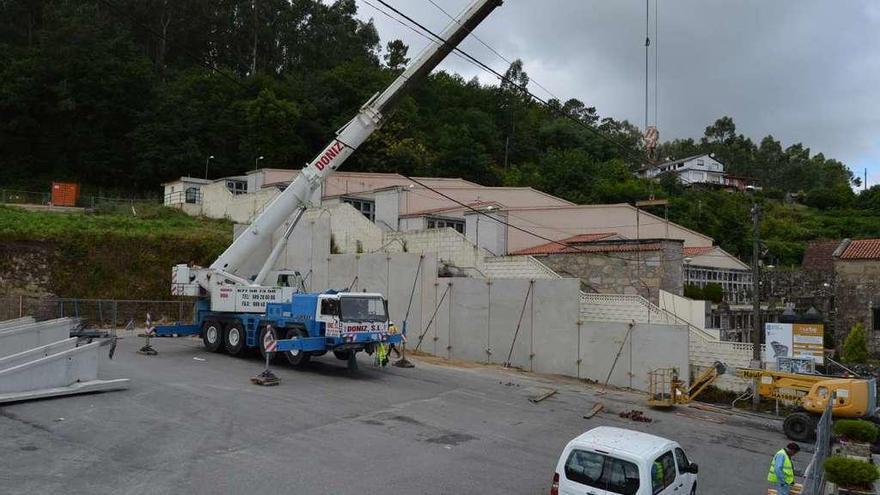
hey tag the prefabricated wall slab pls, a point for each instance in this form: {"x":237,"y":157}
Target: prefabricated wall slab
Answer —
{"x":28,"y":336}
{"x":76,"y":388}
{"x":61,"y":369}
{"x":37,"y":353}
{"x":638,"y":351}
{"x":16,"y":322}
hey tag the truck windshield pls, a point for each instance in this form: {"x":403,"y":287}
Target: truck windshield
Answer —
{"x":363,"y":309}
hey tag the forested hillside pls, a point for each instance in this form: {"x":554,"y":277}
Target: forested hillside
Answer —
{"x":125,"y":94}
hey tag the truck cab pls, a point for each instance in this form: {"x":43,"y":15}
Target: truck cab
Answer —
{"x":342,"y":322}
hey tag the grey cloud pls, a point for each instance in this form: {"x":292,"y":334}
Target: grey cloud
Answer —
{"x":806,"y":71}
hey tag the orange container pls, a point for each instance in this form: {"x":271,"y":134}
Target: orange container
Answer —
{"x":64,"y":193}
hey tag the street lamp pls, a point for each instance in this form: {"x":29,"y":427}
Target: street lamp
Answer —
{"x":257,"y":161}
{"x":207,"y":160}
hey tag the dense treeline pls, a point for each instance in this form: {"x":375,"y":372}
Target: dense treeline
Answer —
{"x":120,"y":95}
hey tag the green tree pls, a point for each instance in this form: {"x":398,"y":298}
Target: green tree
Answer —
{"x":395,"y":56}
{"x":855,"y":346}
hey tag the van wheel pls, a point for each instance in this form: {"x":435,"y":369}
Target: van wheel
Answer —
{"x":800,"y":427}
{"x":212,"y":335}
{"x":297,"y":359}
{"x":234,"y":338}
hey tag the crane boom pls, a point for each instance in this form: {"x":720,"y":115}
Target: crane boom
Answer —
{"x":348,"y":139}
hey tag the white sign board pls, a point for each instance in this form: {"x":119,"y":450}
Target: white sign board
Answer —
{"x":793,"y":340}
{"x":777,"y":337}
{"x":241,"y":299}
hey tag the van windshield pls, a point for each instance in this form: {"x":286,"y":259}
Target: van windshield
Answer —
{"x":602,"y":471}
{"x":355,"y":308}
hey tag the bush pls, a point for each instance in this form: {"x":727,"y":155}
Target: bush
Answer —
{"x":693,"y":292}
{"x":845,"y":472}
{"x":855,"y":346}
{"x":856,"y":429}
{"x":713,"y":292}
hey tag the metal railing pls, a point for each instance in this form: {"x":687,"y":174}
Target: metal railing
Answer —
{"x":98,"y":313}
{"x":14,"y":196}
{"x":814,"y":475}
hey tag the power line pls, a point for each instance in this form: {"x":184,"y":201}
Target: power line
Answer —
{"x":493,"y":50}
{"x":625,"y":151}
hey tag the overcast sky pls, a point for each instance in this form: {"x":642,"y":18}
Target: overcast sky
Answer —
{"x":803,"y":70}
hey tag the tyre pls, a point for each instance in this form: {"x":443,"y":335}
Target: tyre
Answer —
{"x":212,"y":335}
{"x":233,"y":338}
{"x":342,"y":355}
{"x":297,"y":359}
{"x":800,"y":427}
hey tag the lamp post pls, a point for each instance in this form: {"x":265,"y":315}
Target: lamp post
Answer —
{"x":207,"y":160}
{"x":257,"y":162}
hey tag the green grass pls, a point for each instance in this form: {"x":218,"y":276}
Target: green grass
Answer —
{"x":153,"y":222}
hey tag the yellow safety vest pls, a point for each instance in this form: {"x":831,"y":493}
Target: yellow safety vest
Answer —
{"x":787,"y":469}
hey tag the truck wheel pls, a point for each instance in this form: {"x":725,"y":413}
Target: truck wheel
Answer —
{"x":262,"y":335}
{"x":234,"y":338}
{"x":800,"y":427}
{"x":212,"y":335}
{"x":297,"y":359}
{"x":342,"y":355}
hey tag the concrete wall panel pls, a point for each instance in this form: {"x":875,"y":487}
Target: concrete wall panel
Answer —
{"x":18,"y":339}
{"x":555,"y":313}
{"x":470,"y":319}
{"x":508,"y":298}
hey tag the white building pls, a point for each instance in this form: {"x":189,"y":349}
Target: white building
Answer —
{"x":713,"y":265}
{"x":697,"y":169}
{"x":185,"y":190}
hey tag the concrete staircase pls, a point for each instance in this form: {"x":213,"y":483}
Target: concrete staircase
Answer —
{"x":517,"y":267}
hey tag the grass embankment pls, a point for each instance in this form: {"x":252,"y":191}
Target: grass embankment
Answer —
{"x":109,"y":254}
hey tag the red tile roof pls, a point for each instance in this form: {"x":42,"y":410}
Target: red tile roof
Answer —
{"x":863,"y":249}
{"x":576,"y":244}
{"x":696,"y":251}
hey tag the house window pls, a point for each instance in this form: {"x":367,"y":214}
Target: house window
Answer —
{"x":876,"y":318}
{"x":700,"y":163}
{"x":192,"y":195}
{"x":442,"y":223}
{"x":365,"y":206}
{"x":236,"y":186}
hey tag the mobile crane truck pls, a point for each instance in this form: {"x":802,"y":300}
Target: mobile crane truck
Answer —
{"x":238,"y":303}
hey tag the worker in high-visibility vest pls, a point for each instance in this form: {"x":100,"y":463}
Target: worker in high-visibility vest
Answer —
{"x":781,"y":475}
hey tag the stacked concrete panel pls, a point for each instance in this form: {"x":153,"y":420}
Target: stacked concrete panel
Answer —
{"x":39,"y":360}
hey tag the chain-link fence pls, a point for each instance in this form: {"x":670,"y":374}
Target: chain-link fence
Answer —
{"x":99,"y":313}
{"x":125,"y":205}
{"x":814,"y":475}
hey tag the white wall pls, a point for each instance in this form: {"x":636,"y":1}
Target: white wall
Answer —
{"x":387,"y":209}
{"x":487,"y":233}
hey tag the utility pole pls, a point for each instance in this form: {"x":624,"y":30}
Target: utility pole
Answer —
{"x":256,"y":23}
{"x":756,"y":297}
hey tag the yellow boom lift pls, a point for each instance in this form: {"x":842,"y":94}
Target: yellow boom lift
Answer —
{"x":852,"y":397}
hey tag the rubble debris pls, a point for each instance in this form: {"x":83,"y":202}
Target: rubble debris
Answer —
{"x":636,"y":415}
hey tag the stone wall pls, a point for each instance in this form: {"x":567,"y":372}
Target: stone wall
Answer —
{"x":856,"y":293}
{"x":25,"y":268}
{"x":643,"y":273}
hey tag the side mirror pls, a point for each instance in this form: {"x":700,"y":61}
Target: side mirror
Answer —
{"x":693,"y":468}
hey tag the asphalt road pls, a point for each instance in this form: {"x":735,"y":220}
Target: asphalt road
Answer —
{"x":193,"y":423}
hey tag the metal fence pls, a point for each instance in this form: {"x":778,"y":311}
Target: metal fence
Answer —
{"x":814,"y":475}
{"x":99,"y":313}
{"x":13,"y":196}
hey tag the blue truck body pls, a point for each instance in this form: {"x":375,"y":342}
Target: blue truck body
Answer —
{"x":294,"y":323}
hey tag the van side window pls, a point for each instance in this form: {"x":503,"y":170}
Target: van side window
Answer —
{"x":662,"y":472}
{"x":681,"y":460}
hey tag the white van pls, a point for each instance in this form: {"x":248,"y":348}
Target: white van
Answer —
{"x":615,"y":461}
